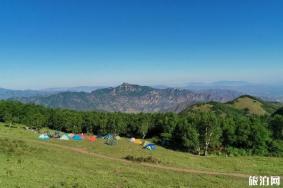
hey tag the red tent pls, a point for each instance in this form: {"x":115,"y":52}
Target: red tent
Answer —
{"x":92,"y":138}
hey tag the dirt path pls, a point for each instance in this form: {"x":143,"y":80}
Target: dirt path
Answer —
{"x":182,"y":170}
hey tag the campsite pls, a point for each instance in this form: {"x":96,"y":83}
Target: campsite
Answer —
{"x":70,"y":163}
{"x":141,"y":93}
{"x":108,"y":138}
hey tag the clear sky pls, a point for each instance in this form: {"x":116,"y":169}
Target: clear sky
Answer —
{"x":55,"y":43}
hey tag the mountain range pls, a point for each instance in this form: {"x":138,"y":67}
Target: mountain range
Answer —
{"x":9,"y":93}
{"x":270,"y":91}
{"x":136,"y":98}
{"x":131,"y":98}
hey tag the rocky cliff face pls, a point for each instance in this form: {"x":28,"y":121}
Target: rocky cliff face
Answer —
{"x":132,"y":98}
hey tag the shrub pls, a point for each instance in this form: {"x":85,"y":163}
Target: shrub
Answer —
{"x":148,"y":159}
{"x":276,"y":148}
{"x":231,"y":151}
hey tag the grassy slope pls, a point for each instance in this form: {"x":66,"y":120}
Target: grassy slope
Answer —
{"x":254,"y":106}
{"x":47,"y":166}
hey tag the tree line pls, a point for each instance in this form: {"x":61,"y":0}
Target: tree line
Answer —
{"x":232,"y":133}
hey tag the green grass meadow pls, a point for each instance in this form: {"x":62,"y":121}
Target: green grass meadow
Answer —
{"x":28,"y":162}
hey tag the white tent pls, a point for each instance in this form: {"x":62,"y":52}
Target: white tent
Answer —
{"x":132,"y":140}
{"x":64,"y":137}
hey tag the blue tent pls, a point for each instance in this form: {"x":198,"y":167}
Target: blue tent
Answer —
{"x":77,"y":137}
{"x":108,"y":136}
{"x":150,"y":146}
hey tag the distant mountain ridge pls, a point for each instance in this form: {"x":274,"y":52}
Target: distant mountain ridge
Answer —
{"x":271,"y":91}
{"x":131,"y":98}
{"x":87,"y":89}
{"x":9,"y":93}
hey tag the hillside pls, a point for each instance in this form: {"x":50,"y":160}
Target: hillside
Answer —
{"x":131,"y":98}
{"x":255,"y":105}
{"x":82,"y":164}
{"x":249,"y":104}
{"x":244,"y":105}
{"x":216,"y":107}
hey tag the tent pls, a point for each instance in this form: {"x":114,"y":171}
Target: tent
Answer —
{"x":64,"y":137}
{"x":71,"y":135}
{"x":132,"y":140}
{"x":117,"y":137}
{"x":92,"y":138}
{"x":138,"y":141}
{"x":111,"y":141}
{"x":77,"y":137}
{"x":150,"y":147}
{"x":43,"y":137}
{"x":108,"y":136}
{"x":82,"y":136}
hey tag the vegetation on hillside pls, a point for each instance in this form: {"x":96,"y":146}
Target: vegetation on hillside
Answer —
{"x":254,"y":105}
{"x":222,"y":130}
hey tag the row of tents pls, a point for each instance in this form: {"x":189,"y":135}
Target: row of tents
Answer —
{"x":71,"y":136}
{"x":110,"y":139}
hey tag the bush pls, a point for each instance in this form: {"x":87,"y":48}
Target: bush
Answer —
{"x":148,"y":159}
{"x":231,"y":151}
{"x":276,"y":148}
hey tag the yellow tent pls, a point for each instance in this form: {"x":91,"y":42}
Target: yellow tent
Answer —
{"x":138,"y":141}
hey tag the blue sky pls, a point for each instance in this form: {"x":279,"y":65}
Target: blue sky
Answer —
{"x":58,"y":43}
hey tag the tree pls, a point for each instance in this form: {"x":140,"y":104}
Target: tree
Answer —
{"x":185,"y":137}
{"x":276,"y":126}
{"x":228,"y":133}
{"x":8,"y":118}
{"x":259,"y":137}
{"x":209,"y":131}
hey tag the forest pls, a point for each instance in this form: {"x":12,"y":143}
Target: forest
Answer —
{"x":222,"y":131}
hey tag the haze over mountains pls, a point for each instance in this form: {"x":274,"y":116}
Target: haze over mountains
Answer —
{"x":10,"y":93}
{"x":136,"y":98}
{"x":266,"y":91}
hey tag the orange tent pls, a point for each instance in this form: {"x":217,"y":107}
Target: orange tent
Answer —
{"x":92,"y":138}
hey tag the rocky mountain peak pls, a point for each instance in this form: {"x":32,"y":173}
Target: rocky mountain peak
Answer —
{"x":127,"y":87}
